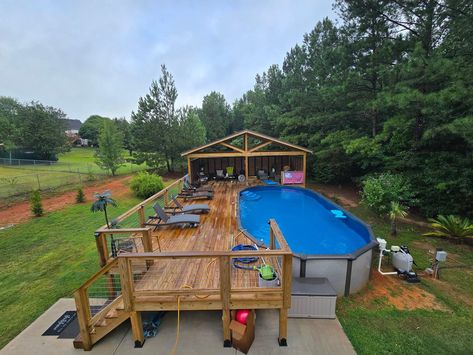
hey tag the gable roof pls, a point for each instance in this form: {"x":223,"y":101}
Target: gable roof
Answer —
{"x":72,"y":124}
{"x":251,"y":133}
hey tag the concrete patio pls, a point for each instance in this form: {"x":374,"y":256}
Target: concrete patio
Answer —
{"x":201,"y":333}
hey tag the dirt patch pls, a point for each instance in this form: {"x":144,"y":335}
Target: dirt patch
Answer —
{"x":398,"y":293}
{"x":345,"y":195}
{"x":20,"y":212}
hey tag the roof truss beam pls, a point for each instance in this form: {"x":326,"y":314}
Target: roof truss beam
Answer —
{"x":228,"y":145}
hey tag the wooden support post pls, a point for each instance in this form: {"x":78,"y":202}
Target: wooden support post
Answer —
{"x":225,"y":288}
{"x":83,"y":317}
{"x":189,"y":169}
{"x":246,"y":158}
{"x":287,"y":280}
{"x":141,"y":213}
{"x":137,"y":329}
{"x":282,"y":340}
{"x":272,"y":242}
{"x":286,"y":302}
{"x":304,"y":167}
{"x":126,"y":279}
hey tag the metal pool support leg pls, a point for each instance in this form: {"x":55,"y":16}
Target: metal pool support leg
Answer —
{"x":282,"y":340}
{"x":137,"y":329}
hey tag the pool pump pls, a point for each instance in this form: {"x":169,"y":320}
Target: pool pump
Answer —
{"x":401,"y":260}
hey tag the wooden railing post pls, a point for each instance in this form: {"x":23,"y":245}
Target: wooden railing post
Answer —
{"x":166,"y":197}
{"x":126,"y":279}
{"x":141,"y":213}
{"x":272,"y":243}
{"x":83,"y":317}
{"x":225,"y":289}
{"x":148,"y":245}
{"x":102,"y":249}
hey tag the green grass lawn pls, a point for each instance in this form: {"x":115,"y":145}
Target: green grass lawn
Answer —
{"x":45,"y":259}
{"x":381,"y":329}
{"x":73,"y":168}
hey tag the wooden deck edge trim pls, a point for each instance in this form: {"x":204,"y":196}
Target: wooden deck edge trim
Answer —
{"x":204,"y":254}
{"x":200,"y":305}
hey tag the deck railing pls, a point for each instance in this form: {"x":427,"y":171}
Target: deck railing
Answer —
{"x":131,"y":224}
{"x":144,"y":285}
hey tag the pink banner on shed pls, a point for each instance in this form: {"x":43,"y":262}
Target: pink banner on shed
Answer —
{"x":293,"y":177}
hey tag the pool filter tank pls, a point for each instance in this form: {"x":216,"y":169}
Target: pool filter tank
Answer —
{"x":402,"y":261}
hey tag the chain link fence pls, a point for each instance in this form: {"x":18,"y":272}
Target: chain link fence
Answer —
{"x":18,"y":177}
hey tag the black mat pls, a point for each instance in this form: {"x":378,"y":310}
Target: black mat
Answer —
{"x":61,"y":323}
{"x":67,"y":326}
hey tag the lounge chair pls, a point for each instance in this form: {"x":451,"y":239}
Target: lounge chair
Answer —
{"x":188,"y":187}
{"x":230,"y":173}
{"x":195,"y":208}
{"x":262,"y":175}
{"x":195,"y":195}
{"x":219,"y":175}
{"x":163,"y":219}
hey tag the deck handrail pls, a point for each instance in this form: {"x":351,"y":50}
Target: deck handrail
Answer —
{"x":157,"y":195}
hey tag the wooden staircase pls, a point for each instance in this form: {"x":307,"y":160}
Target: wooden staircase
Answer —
{"x":109,"y":318}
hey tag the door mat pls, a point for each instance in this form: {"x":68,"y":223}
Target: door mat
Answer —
{"x":61,"y":323}
{"x":67,"y":326}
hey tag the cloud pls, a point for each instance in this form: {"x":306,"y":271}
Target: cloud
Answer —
{"x":90,"y":57}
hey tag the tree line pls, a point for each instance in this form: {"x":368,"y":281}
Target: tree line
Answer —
{"x":388,"y":89}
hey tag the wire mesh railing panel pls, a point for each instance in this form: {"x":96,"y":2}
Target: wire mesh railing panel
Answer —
{"x":103,"y":291}
{"x":118,"y":244}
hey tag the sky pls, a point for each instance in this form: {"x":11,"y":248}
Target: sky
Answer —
{"x":99,"y":57}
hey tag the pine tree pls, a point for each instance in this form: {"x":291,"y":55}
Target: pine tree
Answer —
{"x":36,"y":204}
{"x":109,"y":154}
{"x":80,"y":196}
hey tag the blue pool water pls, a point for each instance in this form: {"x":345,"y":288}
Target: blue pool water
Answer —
{"x":305,"y":219}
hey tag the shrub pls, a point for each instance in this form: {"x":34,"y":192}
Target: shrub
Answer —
{"x":145,"y":185}
{"x":80,"y":196}
{"x":36,"y":204}
{"x":450,"y":226}
{"x":381,"y":190}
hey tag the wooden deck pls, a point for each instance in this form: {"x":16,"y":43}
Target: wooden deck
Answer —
{"x":183,"y":268}
{"x":218,"y":231}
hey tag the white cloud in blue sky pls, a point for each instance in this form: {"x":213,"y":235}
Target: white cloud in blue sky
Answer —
{"x":90,"y":57}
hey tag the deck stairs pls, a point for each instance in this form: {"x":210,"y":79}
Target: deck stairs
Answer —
{"x":111,"y":316}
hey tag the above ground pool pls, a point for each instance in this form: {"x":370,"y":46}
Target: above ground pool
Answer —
{"x":327,"y":241}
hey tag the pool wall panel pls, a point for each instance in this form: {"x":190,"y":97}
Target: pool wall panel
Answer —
{"x":333,"y":270}
{"x":360,"y":271}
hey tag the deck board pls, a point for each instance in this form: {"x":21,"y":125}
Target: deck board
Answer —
{"x":218,"y":231}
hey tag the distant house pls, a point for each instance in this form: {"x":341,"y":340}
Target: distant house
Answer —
{"x":72,"y":133}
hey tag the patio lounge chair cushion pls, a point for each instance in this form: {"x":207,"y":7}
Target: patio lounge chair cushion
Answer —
{"x":191,"y":208}
{"x":175,"y":219}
